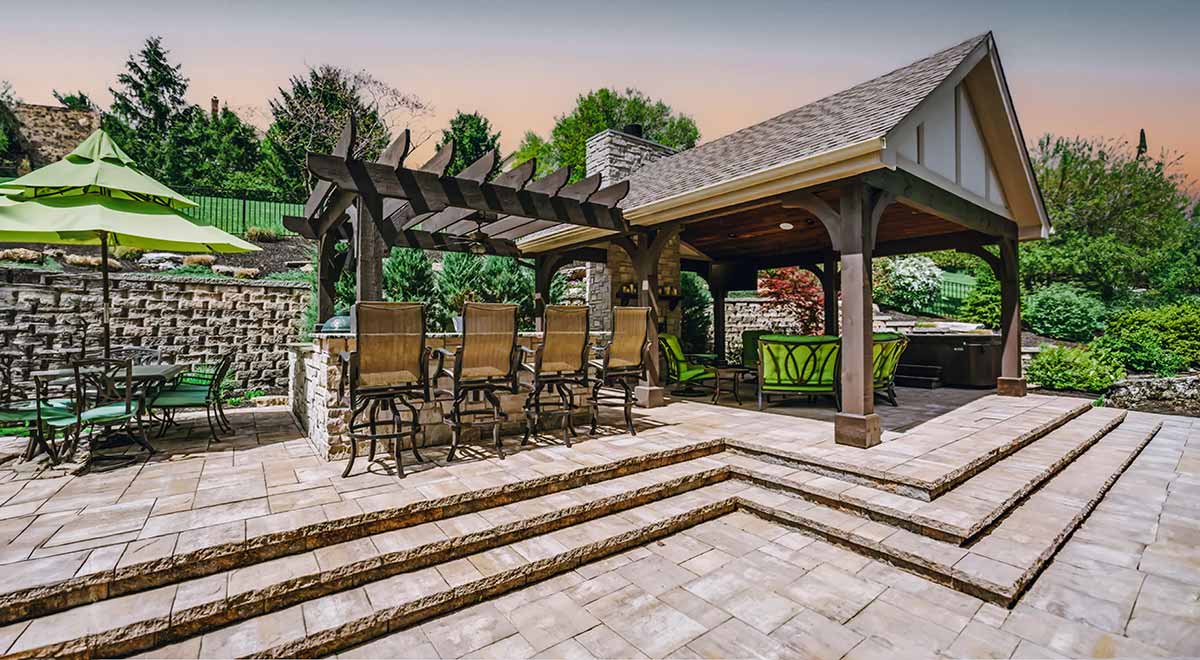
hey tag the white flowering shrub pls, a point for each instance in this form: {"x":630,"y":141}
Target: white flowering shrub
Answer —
{"x":910,"y":284}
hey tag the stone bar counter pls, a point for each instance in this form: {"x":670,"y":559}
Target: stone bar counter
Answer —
{"x":315,"y":377}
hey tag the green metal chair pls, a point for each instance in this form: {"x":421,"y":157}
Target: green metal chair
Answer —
{"x":680,"y":370}
{"x":750,"y":347}
{"x":791,"y":365}
{"x":22,"y":413}
{"x":886,"y":352}
{"x":106,"y":399}
{"x":170,"y":401}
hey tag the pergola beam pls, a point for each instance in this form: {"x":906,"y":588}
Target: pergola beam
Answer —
{"x":921,"y":194}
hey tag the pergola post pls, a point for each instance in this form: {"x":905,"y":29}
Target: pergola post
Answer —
{"x":857,"y":424}
{"x":369,"y":252}
{"x":718,"y":295}
{"x":830,"y":285}
{"x":545,"y":266}
{"x":1011,"y":381}
{"x":326,"y":276}
{"x":644,"y":250}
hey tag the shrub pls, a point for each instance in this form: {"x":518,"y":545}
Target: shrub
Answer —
{"x":460,"y":280}
{"x":1141,"y":350}
{"x":982,"y":304}
{"x":200,"y":260}
{"x":1074,"y":368}
{"x":127,"y":252}
{"x":504,"y":280}
{"x":293,"y":275}
{"x":263,"y":234}
{"x":799,"y":294}
{"x":1177,"y":326}
{"x":408,"y":277}
{"x":193,"y":270}
{"x":911,"y":284}
{"x":1063,"y":311}
{"x":696,"y":305}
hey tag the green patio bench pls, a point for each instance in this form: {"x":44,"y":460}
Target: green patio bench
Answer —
{"x":794,"y":364}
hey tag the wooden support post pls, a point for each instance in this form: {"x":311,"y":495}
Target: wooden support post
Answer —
{"x":369,"y":252}
{"x":326,"y":276}
{"x":718,"y":296}
{"x":1011,"y":381}
{"x":644,"y":250}
{"x":546,"y":265}
{"x":857,"y":424}
{"x":829,"y":281}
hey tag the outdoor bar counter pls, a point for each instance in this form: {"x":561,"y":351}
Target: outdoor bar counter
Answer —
{"x":315,"y":376}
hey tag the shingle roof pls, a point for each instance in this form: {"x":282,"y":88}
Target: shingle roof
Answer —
{"x":865,"y":111}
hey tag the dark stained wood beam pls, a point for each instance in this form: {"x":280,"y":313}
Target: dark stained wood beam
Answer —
{"x":921,"y":194}
{"x":415,"y":238}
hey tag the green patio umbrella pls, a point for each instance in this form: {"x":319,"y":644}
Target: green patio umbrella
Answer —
{"x":97,"y":196}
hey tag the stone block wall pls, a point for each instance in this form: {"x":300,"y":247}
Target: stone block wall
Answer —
{"x":742,"y":314}
{"x":48,"y":133}
{"x":322,"y":407}
{"x":46,"y":317}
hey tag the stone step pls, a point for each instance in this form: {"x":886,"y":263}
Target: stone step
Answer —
{"x":1004,"y":560}
{"x":153,"y":558}
{"x":960,"y":514}
{"x":315,"y":612}
{"x":922,"y":382}
{"x":934,"y":457}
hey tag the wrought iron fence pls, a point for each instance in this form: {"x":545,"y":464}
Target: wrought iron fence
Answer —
{"x":950,"y":298}
{"x":236,"y":211}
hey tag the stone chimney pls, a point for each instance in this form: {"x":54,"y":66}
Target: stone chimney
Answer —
{"x":615,"y":155}
{"x":216,"y":107}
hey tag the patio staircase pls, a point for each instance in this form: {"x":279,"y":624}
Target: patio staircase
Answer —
{"x":987,"y":528}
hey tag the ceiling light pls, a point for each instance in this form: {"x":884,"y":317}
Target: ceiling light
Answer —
{"x":786,"y":225}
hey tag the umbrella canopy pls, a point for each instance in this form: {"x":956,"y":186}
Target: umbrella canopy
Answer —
{"x":80,"y":220}
{"x":96,"y":166}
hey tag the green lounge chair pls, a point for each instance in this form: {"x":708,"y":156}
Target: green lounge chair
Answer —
{"x":888,"y":348}
{"x":680,"y":370}
{"x":789,"y":364}
{"x":170,"y":401}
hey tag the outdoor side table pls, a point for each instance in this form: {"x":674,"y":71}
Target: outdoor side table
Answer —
{"x":732,"y":374}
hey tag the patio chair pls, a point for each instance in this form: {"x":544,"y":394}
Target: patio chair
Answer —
{"x":681,"y":369}
{"x":136,"y":354}
{"x":105,"y":398}
{"x":791,"y":365}
{"x":390,"y":365}
{"x":484,"y":363}
{"x":199,"y":379}
{"x":559,"y":363}
{"x":21,"y":414}
{"x":886,"y":352}
{"x":750,"y":348}
{"x":208,"y":396}
{"x":622,"y":361}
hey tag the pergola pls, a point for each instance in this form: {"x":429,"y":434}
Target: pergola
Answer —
{"x":927,"y":157}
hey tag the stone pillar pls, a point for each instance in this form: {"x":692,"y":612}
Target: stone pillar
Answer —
{"x":615,"y":155}
{"x":857,"y":424}
{"x":1011,"y":381}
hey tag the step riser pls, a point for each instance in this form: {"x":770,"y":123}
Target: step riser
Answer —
{"x":913,"y":488}
{"x":40,"y":601}
{"x":187,"y":623}
{"x":913,"y":522}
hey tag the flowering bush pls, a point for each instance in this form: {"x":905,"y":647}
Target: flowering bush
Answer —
{"x":798,"y":292}
{"x":910,"y":284}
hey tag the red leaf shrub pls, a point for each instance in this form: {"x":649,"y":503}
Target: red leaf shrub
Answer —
{"x":798,"y":292}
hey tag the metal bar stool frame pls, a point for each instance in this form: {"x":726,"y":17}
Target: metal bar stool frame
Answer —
{"x":558,"y":363}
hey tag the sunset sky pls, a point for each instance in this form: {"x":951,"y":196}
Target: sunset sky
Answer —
{"x":1075,"y":68}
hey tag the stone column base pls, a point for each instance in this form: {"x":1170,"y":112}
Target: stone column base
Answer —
{"x":860,"y":431}
{"x":1010,"y":386}
{"x":649,"y":396}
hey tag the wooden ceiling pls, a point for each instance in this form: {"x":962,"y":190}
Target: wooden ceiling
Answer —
{"x":752,"y":231}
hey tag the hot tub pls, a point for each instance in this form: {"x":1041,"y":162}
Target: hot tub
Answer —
{"x":967,"y":359}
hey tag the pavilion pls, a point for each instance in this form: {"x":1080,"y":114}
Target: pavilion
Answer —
{"x":927,"y":157}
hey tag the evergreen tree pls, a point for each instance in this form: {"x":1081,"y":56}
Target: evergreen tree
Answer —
{"x":147,"y":100}
{"x":408,"y":277}
{"x":473,"y":137}
{"x":461,"y":280}
{"x":506,"y":281}
{"x":77,"y":100}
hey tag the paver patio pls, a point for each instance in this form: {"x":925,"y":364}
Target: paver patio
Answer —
{"x":830,"y":593}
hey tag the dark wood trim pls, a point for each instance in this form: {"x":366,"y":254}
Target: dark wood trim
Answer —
{"x":926,"y":196}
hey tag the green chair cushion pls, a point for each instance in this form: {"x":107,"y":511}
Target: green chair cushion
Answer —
{"x":109,"y":412}
{"x":26,"y":411}
{"x":696,"y":373}
{"x":181,"y":399}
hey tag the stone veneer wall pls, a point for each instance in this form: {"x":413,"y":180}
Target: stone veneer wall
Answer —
{"x":742,"y":314}
{"x":615,"y":155}
{"x":48,"y":133}
{"x":191,"y":321}
{"x":323,"y":409}
{"x":1173,"y":395}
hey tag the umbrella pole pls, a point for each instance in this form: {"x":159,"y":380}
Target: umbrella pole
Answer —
{"x":104,"y":290}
